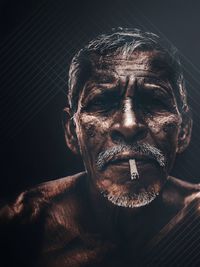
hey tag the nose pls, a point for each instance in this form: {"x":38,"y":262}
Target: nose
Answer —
{"x":127,"y":127}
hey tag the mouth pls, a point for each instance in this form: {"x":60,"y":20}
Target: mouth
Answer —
{"x":135,"y":153}
{"x":123,"y":161}
{"x":119,"y":171}
{"x":126,"y":161}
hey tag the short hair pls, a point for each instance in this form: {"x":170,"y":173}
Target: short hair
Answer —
{"x":126,"y":41}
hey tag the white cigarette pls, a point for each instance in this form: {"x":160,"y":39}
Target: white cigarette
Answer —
{"x":133,"y":169}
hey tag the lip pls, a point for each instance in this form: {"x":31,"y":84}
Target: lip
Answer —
{"x":145,"y":166}
{"x":126,"y":161}
{"x":123,"y":159}
{"x":127,"y":156}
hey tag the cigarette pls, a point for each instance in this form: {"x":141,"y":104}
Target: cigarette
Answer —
{"x":133,"y":169}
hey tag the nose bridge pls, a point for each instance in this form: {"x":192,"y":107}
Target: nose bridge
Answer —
{"x":128,"y":112}
{"x":131,"y":85}
{"x":128,"y":126}
{"x":128,"y":118}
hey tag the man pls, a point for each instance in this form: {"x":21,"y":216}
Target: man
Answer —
{"x":127,"y":117}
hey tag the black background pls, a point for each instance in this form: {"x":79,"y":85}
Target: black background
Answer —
{"x":38,"y":40}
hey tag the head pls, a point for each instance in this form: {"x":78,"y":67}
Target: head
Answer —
{"x":127,"y":103}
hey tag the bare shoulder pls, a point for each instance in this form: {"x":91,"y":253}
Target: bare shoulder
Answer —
{"x":179,"y":193}
{"x":46,"y":222}
{"x":183,"y":198}
{"x":31,"y":203}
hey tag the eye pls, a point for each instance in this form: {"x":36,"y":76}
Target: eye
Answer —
{"x":102,"y":104}
{"x":153,"y":103}
{"x":99,"y":102}
{"x":156,"y":103}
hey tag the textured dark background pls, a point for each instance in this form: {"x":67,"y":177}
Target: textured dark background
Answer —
{"x":38,"y":40}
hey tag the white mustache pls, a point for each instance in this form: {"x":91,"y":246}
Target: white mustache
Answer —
{"x":139,"y":150}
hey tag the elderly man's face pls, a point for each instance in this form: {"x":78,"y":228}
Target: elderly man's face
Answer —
{"x":128,"y":110}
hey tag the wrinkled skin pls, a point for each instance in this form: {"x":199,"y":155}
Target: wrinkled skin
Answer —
{"x":128,"y":100}
{"x":78,"y":227}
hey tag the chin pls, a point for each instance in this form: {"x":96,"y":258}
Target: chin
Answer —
{"x":131,"y":195}
{"x":119,"y":188}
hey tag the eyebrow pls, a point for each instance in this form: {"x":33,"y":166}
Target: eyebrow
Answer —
{"x":95,"y":88}
{"x":100,"y":90}
{"x":165,"y":88}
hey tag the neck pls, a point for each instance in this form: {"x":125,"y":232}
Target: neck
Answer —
{"x":114,"y":220}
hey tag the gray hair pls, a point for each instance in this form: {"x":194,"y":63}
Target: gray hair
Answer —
{"x":126,"y":41}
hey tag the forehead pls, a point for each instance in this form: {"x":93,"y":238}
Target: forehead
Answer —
{"x":148,"y":63}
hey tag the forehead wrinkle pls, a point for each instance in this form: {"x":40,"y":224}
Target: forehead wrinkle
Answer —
{"x":124,"y":70}
{"x":153,"y":61}
{"x":100,"y":88}
{"x":105,"y":75}
{"x":152,"y":82}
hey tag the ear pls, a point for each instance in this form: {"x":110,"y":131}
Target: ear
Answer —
{"x":70,"y":131}
{"x":185,"y":132}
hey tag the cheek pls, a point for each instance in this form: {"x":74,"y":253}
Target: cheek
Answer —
{"x":92,"y":135}
{"x":164,"y":131}
{"x":93,"y":130}
{"x":164,"y":127}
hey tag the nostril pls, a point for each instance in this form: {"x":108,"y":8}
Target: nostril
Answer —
{"x":128,"y":126}
{"x":117,"y":137}
{"x":121,"y":135}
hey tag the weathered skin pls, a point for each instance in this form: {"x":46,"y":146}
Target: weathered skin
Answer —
{"x":128,"y":100}
{"x":55,"y":225}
